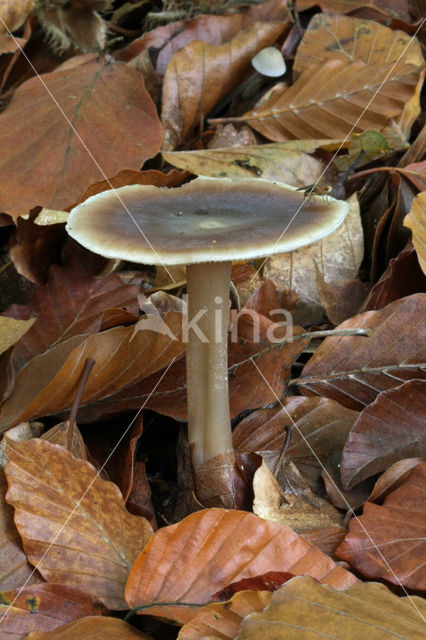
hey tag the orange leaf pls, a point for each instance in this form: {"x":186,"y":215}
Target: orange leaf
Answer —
{"x":416,"y":221}
{"x":223,"y":620}
{"x":184,"y":564}
{"x":394,"y":548}
{"x":73,"y":525}
{"x":92,"y":628}
{"x":43,"y":607}
{"x":58,"y":166}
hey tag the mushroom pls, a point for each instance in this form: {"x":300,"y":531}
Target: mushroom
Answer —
{"x":204,"y":224}
{"x":269,"y":62}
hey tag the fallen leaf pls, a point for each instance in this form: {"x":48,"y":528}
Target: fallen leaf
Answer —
{"x":304,"y":608}
{"x":416,"y":221}
{"x":59,"y":434}
{"x":71,"y":303}
{"x":14,"y":568}
{"x":223,"y":620}
{"x":269,"y":581}
{"x":403,"y":277}
{"x":333,"y":261}
{"x":92,"y":628}
{"x":211,"y":548}
{"x":387,"y":430}
{"x":354,"y":370}
{"x":213,"y":29}
{"x":392,"y":478}
{"x":200,"y":74}
{"x":336,"y":37}
{"x":60,"y":167}
{"x":47,"y":384}
{"x":327,"y":99}
{"x":326,"y":540}
{"x":13,"y":14}
{"x":280,"y":162}
{"x":12,"y":330}
{"x":22,"y":431}
{"x":43,"y":607}
{"x":319,"y":429}
{"x":300,"y":510}
{"x":82,"y":535}
{"x":387,"y":542}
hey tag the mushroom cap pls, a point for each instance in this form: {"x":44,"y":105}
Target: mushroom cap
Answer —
{"x":269,"y":62}
{"x":206,"y":220}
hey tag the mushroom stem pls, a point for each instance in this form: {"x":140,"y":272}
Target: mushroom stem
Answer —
{"x":209,"y":424}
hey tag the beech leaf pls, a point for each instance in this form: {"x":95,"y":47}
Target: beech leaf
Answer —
{"x":387,"y":542}
{"x":389,"y":429}
{"x":416,"y":221}
{"x":303,"y":608}
{"x":209,"y":549}
{"x":92,"y":628}
{"x":81,"y":535}
{"x":355,"y":370}
{"x":59,"y":167}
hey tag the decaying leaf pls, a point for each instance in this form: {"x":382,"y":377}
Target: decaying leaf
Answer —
{"x":303,"y":608}
{"x":333,"y":261}
{"x":81,"y":535}
{"x":387,"y":541}
{"x":67,"y":153}
{"x":389,"y":429}
{"x":355,"y":370}
{"x":416,"y":221}
{"x":43,"y":607}
{"x":13,"y":13}
{"x":282,"y":162}
{"x":211,"y":548}
{"x":300,"y":510}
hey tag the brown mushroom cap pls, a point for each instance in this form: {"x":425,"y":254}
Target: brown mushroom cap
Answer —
{"x":206,"y":220}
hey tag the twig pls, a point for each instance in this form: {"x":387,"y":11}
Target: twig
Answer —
{"x":302,"y":336}
{"x":88,"y":366}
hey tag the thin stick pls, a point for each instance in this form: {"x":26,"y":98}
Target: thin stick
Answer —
{"x":366,"y":333}
{"x":88,"y":366}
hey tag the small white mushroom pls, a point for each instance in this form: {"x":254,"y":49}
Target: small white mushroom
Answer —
{"x":269,"y":62}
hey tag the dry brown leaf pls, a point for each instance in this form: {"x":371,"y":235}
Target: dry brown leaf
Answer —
{"x":333,"y":261}
{"x":59,"y":167}
{"x":344,"y":38}
{"x":209,"y":549}
{"x":389,"y":429}
{"x":416,"y":221}
{"x":387,"y":542}
{"x":300,"y":510}
{"x":22,"y":431}
{"x":223,"y":620}
{"x":12,"y":330}
{"x":71,"y":303}
{"x":354,"y":370}
{"x":200,"y":74}
{"x":13,"y":14}
{"x":14,"y":568}
{"x":43,"y":607}
{"x":326,"y":101}
{"x":92,"y":628}
{"x":302,"y":608}
{"x":73,"y":525}
{"x":280,"y":162}
{"x":59,"y":434}
{"x":47,"y":384}
{"x":213,"y":29}
{"x":392,"y":478}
